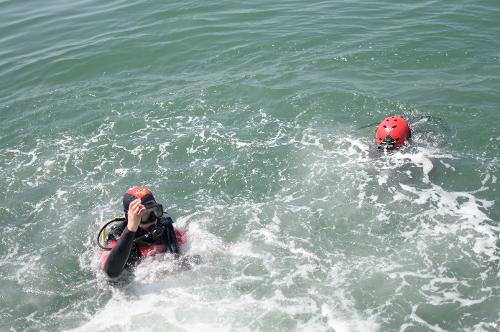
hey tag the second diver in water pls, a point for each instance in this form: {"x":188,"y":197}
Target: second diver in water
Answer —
{"x":392,"y":133}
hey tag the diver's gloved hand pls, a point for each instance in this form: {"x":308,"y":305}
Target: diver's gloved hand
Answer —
{"x":135,"y":212}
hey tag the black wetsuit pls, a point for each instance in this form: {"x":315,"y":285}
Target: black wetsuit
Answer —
{"x":126,"y":253}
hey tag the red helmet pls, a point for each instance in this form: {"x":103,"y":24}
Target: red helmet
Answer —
{"x":392,"y":132}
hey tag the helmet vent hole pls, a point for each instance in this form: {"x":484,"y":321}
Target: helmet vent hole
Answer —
{"x":394,"y":127}
{"x":385,"y":126}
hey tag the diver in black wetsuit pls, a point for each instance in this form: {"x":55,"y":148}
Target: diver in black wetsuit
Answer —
{"x":146,"y":230}
{"x":394,"y":132}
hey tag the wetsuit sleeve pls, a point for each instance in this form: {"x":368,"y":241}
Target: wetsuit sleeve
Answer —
{"x":119,"y":254}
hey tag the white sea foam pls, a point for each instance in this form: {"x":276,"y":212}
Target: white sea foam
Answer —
{"x":333,"y":239}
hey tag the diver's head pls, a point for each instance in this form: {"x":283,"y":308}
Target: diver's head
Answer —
{"x":153,"y":210}
{"x":392,"y":132}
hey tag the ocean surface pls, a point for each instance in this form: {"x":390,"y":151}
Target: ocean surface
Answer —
{"x":253,"y":123}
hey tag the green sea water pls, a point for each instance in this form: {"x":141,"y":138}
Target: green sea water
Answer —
{"x":244,"y":118}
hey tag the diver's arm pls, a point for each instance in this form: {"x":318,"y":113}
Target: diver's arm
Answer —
{"x":118,"y":256}
{"x":120,"y":253}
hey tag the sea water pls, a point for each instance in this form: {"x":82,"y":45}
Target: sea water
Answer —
{"x":253,"y":124}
